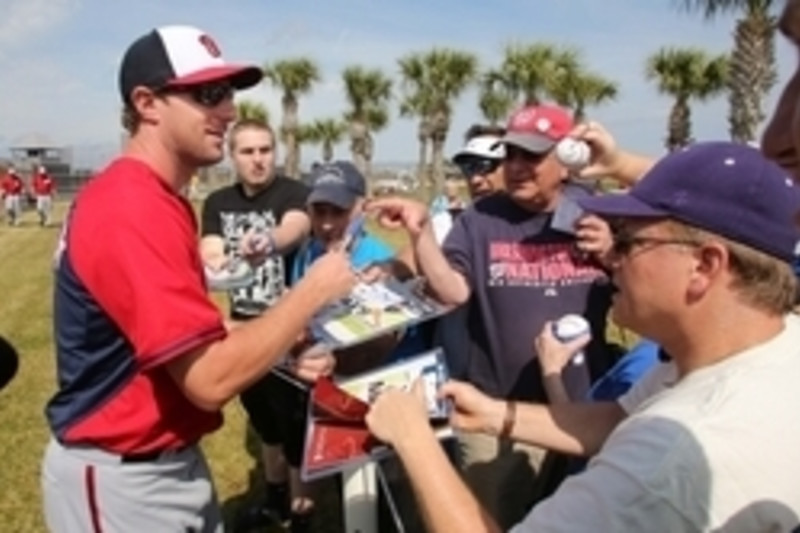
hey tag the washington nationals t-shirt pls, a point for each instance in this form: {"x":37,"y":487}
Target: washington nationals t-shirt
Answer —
{"x":522,"y":273}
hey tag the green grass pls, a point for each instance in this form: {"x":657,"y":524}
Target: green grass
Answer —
{"x":26,"y":319}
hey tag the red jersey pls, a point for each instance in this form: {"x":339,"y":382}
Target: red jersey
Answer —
{"x":12,"y":184}
{"x":43,"y":184}
{"x":130,"y":296}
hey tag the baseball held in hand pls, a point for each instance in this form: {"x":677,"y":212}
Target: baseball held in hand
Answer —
{"x":573,"y":154}
{"x":570,"y":327}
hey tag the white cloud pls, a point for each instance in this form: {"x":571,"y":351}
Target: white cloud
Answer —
{"x":24,"y":20}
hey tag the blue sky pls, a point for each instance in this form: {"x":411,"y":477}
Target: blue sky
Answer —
{"x":58,"y":58}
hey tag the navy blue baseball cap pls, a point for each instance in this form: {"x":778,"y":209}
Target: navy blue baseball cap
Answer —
{"x":339,"y":183}
{"x":725,"y":188}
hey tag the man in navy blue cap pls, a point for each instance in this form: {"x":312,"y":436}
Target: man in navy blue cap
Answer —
{"x":335,"y":207}
{"x":708,"y":440}
{"x":335,"y":203}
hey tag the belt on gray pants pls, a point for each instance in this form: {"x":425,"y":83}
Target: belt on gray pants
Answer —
{"x":127,"y":458}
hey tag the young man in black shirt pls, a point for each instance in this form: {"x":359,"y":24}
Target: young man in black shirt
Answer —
{"x":261,"y":219}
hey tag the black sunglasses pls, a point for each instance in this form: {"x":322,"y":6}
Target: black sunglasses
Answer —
{"x":477,"y":166}
{"x":206,"y":94}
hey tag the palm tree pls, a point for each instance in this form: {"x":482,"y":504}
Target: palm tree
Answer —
{"x":528,"y":72}
{"x":685,"y":74}
{"x":250,"y":110}
{"x":432,"y":81}
{"x":304,"y":134}
{"x":577,"y":89}
{"x":376,"y":120}
{"x":294,"y":78}
{"x":414,"y":104}
{"x":494,"y":101}
{"x":368,"y":92}
{"x":752,"y":63}
{"x":328,"y":132}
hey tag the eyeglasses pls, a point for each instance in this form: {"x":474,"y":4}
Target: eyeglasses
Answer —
{"x":478,"y":167}
{"x":206,"y":94}
{"x":624,"y":243}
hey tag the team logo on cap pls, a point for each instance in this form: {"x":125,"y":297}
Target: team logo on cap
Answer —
{"x":523,"y":118}
{"x":210,"y":45}
{"x":330,"y":175}
{"x":543,"y":125}
{"x":528,"y":119}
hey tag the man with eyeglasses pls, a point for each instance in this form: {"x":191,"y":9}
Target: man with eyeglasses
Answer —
{"x":145,"y":363}
{"x":708,"y":440}
{"x":505,"y":257}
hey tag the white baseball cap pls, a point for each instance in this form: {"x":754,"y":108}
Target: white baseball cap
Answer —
{"x":485,"y":146}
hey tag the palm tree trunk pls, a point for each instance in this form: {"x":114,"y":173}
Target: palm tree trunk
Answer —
{"x":680,"y":125}
{"x":358,"y":132}
{"x":437,"y":156}
{"x":579,"y":115}
{"x":327,"y":151}
{"x":531,"y":98}
{"x":290,"y":162}
{"x":422,"y":160}
{"x":369,"y":152}
{"x":752,"y":75}
{"x":289,"y":128}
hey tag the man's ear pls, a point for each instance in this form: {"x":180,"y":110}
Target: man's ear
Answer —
{"x":712,"y":259}
{"x":144,"y":101}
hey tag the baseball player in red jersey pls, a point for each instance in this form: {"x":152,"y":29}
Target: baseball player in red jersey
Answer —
{"x":44,"y":189}
{"x":145,"y":362}
{"x":12,"y":192}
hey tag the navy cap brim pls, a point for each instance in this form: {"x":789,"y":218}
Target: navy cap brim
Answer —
{"x":337,"y":196}
{"x":620,"y":205}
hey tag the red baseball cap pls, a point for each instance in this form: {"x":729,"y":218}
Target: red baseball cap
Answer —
{"x":537,"y":128}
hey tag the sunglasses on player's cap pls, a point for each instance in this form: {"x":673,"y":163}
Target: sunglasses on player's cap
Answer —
{"x":183,"y":59}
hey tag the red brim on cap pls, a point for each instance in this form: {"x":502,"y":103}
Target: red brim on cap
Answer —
{"x":240,"y":76}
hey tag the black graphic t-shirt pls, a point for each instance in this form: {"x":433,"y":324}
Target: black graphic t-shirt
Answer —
{"x":230,"y":214}
{"x":522,"y":273}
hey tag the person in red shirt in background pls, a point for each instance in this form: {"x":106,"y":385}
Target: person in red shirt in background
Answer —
{"x":12,"y":189}
{"x":44,"y":189}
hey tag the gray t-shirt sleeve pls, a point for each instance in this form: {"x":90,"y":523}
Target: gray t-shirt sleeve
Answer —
{"x":459,"y":248}
{"x":642,"y":479}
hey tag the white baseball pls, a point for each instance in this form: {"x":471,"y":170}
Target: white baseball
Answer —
{"x":573,"y":153}
{"x":570,"y":327}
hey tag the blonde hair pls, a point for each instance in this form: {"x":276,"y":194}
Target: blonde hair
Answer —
{"x":248,"y":123}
